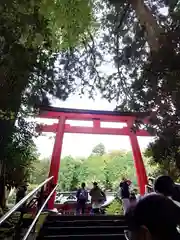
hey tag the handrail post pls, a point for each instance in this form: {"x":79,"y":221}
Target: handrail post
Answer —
{"x":55,"y":160}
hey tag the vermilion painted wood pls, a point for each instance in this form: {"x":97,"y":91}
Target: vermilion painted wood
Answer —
{"x":97,"y":117}
{"x":86,"y":115}
{"x":93,"y":130}
{"x":55,"y":159}
{"x":139,"y":164}
{"x":51,"y":109}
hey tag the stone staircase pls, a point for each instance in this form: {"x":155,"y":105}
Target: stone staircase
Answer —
{"x":83,"y":227}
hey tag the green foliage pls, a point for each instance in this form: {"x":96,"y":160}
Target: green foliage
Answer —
{"x":31,"y":32}
{"x":107,"y":183}
{"x":19,"y":58}
{"x":107,"y":170}
{"x":156,"y":90}
{"x":139,"y":81}
{"x":69,"y":20}
{"x":165,"y":166}
{"x":21,"y":155}
{"x":122,"y":165}
{"x":39,"y":172}
{"x":67,"y":174}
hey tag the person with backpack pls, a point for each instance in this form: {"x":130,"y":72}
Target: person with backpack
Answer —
{"x":82,"y":198}
{"x":98,"y":197}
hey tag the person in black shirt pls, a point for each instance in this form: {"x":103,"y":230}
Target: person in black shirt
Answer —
{"x":21,"y":193}
{"x":125,"y":193}
{"x":154,"y":217}
{"x":166,"y":186}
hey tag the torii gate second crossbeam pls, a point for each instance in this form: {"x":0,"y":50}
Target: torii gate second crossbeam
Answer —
{"x":97,"y":117}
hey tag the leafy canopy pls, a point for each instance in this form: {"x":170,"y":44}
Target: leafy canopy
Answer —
{"x":141,"y":43}
{"x":69,"y":21}
{"x":29,"y":69}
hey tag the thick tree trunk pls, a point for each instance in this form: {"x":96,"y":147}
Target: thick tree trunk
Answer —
{"x":147,"y":20}
{"x":2,"y":186}
{"x":14,"y":73}
{"x":10,"y":101}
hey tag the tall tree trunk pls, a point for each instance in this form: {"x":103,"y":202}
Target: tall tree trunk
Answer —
{"x":147,"y":20}
{"x":2,"y":186}
{"x":15,"y":68}
{"x":14,"y":72}
{"x":10,"y":101}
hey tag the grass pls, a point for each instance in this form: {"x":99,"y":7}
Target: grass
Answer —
{"x":115,"y":208}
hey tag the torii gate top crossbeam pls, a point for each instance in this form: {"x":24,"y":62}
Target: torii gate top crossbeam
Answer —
{"x":82,"y":114}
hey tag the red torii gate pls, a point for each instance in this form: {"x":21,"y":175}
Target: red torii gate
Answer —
{"x":63,"y":114}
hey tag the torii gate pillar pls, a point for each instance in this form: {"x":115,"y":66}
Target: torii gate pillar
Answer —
{"x":139,"y":164}
{"x":56,"y":156}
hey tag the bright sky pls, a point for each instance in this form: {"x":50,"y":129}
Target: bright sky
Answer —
{"x":81,"y":144}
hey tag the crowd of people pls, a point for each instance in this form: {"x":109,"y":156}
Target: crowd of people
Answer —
{"x":155,"y":216}
{"x":163,"y":185}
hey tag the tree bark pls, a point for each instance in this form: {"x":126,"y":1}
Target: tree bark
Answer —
{"x":10,"y":101}
{"x":153,"y":30}
{"x":15,"y":68}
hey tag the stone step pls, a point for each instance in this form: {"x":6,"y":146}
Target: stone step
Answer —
{"x":86,"y":237}
{"x":81,"y":223}
{"x":84,"y":217}
{"x":83,"y":227}
{"x":83,"y":230}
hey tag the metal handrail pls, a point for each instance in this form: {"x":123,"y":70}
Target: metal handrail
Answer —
{"x":22,"y":201}
{"x":38,"y":214}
